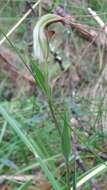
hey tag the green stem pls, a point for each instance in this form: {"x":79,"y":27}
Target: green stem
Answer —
{"x":67,"y":174}
{"x":59,"y":131}
{"x":54,"y":117}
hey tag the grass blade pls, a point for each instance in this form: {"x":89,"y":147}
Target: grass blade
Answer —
{"x":95,"y":172}
{"x":24,"y":186}
{"x":16,"y":127}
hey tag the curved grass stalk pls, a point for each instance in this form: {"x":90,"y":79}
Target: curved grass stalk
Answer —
{"x":95,"y":172}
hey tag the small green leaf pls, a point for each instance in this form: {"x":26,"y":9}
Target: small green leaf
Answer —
{"x":41,"y":80}
{"x":40,"y":40}
{"x":66,"y":138}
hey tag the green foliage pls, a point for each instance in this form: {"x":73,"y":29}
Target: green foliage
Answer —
{"x":98,"y":4}
{"x":31,"y":144}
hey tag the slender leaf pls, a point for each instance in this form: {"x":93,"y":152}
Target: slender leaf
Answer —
{"x":41,"y":80}
{"x":66,"y":139}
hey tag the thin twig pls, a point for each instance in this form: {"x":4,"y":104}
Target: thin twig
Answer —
{"x":54,"y":117}
{"x":20,"y":21}
{"x":19,"y":178}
